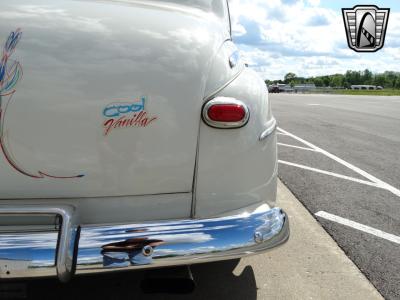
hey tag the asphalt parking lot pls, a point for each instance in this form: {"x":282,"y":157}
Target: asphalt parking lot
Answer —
{"x":340,"y":156}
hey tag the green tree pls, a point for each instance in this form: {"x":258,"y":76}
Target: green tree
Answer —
{"x":318,"y":82}
{"x":336,"y":80}
{"x":289,"y":77}
{"x":353,"y":77}
{"x":380,"y":80}
{"x":397,"y":84}
{"x":390,"y":79}
{"x":326,"y":80}
{"x":366,"y":77}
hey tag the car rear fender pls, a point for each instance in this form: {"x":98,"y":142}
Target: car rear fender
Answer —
{"x":238,"y":167}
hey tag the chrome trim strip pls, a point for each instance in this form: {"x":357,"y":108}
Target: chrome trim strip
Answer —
{"x":182,"y":242}
{"x":225,"y":100}
{"x":234,"y":59}
{"x":271,"y":127}
{"x":26,"y":242}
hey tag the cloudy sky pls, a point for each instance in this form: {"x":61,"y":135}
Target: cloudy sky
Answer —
{"x":307,"y":37}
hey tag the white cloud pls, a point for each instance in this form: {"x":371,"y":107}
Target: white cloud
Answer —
{"x":313,"y":2}
{"x":279,"y":36}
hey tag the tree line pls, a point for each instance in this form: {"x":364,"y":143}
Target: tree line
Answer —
{"x":388,"y":79}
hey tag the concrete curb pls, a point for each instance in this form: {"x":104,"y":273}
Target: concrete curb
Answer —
{"x":310,"y":265}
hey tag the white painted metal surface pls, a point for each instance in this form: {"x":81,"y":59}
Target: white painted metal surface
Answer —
{"x":106,"y":116}
{"x":235,"y":168}
{"x":84,"y":60}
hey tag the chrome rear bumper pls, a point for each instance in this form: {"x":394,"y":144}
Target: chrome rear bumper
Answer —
{"x":92,"y":249}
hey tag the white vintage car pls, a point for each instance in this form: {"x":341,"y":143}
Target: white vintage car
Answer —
{"x":132,"y":136}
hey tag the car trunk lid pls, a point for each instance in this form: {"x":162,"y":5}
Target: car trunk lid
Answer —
{"x":102,"y":104}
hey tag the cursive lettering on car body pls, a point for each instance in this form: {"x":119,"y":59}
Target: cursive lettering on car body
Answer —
{"x":124,"y":115}
{"x":115,"y":110}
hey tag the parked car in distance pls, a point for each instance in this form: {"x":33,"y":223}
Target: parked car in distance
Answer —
{"x":273,"y":89}
{"x":132,"y":136}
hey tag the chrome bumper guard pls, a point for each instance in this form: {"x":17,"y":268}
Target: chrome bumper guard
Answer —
{"x":92,"y":249}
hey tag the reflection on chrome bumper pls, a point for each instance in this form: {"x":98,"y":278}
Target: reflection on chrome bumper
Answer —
{"x":135,"y":246}
{"x":42,"y":252}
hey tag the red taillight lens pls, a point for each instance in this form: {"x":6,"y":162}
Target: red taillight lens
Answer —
{"x":226,"y":112}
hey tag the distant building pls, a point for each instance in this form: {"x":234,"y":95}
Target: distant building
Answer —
{"x":286,"y":88}
{"x":304,"y":87}
{"x":366,"y":87}
{"x":279,"y":88}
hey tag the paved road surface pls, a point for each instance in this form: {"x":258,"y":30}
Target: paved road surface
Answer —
{"x":340,"y":155}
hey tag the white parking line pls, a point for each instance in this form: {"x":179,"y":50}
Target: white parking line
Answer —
{"x":297,"y":147}
{"x":313,"y":104}
{"x":376,"y":232}
{"x":379,"y":183}
{"x":329,"y":173}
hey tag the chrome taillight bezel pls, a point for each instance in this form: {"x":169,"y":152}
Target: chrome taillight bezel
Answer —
{"x":226,"y":125}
